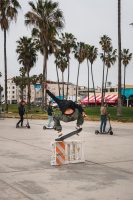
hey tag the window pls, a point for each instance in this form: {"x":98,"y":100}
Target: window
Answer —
{"x":13,"y":87}
{"x":111,"y":89}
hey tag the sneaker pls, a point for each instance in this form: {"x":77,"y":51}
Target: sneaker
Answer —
{"x":78,"y":127}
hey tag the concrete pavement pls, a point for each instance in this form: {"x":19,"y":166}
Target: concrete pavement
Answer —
{"x":26,"y":173}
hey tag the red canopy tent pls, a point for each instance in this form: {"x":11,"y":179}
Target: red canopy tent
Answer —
{"x":109,"y":98}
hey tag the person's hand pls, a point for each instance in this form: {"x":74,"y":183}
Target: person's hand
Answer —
{"x":84,"y":115}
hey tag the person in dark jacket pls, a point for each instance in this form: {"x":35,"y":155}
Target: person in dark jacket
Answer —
{"x":70,"y":111}
{"x":50,"y":114}
{"x":21,"y":111}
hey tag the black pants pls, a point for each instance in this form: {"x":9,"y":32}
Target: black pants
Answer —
{"x":21,"y":120}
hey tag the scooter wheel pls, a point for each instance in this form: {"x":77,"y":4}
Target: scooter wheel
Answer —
{"x":111,"y":132}
{"x":44,"y":127}
{"x":96,"y":132}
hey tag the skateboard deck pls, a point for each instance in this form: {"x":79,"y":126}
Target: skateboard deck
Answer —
{"x":63,"y":137}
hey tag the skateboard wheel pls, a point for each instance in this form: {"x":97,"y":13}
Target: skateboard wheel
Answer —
{"x":44,"y":127}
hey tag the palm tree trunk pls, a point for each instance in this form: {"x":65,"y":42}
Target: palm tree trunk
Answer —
{"x":68,"y":77}
{"x":88,"y":81}
{"x":58,"y":79}
{"x":29,"y":92}
{"x":119,"y":108}
{"x":93,"y":84}
{"x":77,"y":82}
{"x":45,"y":97}
{"x":124,"y":79}
{"x":44,"y":76}
{"x":106,"y":81}
{"x":63,"y":84}
{"x":5,"y":60}
{"x":102,"y":99}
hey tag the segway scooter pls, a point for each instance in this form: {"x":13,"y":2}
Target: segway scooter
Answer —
{"x":109,"y":131}
{"x":27,"y":123}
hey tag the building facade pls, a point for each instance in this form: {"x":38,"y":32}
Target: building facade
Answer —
{"x":14,"y":93}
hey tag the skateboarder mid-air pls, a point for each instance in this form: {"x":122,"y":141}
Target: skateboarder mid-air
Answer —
{"x":70,"y":111}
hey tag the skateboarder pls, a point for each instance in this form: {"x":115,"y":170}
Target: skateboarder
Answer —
{"x":21,"y":111}
{"x":70,"y":111}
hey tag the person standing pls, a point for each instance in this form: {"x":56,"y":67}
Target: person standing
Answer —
{"x":50,"y":114}
{"x":103,"y":111}
{"x":21,"y":111}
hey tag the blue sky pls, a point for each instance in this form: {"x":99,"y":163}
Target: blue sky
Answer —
{"x":87,"y":20}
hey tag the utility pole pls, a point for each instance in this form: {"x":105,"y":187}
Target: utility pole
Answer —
{"x":119,"y":107}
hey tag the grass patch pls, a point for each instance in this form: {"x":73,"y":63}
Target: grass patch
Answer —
{"x":93,"y":113}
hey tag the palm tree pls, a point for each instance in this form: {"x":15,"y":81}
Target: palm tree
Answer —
{"x":34,"y":79}
{"x":62,"y":65}
{"x":87,"y":52}
{"x":46,"y":19}
{"x":8,"y":13}
{"x":105,"y":43}
{"x":57,"y":53}
{"x":109,"y":59}
{"x":21,"y":81}
{"x":119,"y":108}
{"x":67,"y":44}
{"x":79,"y":53}
{"x":126,"y":57}
{"x":27,"y":56}
{"x":93,"y":52}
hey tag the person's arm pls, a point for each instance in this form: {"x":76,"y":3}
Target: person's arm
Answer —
{"x":81,"y":110}
{"x":53,"y":96}
{"x":79,"y":107}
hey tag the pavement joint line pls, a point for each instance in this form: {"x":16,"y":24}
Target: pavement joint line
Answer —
{"x":111,"y":161}
{"x":14,"y":188}
{"x":26,"y":144}
{"x":33,"y":170}
{"x":113,"y":168}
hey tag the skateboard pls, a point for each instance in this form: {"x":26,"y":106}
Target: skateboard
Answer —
{"x":63,"y":137}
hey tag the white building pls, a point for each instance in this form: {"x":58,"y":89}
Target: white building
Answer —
{"x":13,"y":91}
